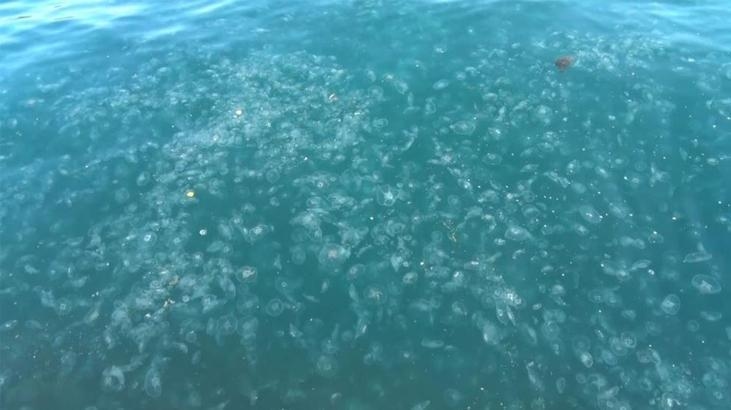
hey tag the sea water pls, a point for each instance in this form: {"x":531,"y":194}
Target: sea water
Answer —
{"x":365,"y":204}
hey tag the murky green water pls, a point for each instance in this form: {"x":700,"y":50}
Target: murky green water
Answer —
{"x":365,"y":205}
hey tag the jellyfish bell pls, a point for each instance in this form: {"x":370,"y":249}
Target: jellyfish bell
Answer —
{"x":564,"y":62}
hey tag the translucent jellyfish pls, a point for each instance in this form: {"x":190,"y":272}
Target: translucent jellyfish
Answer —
{"x":410,"y":278}
{"x":697,"y":257}
{"x":640,"y":264}
{"x":441,"y":84}
{"x":432,"y":343}
{"x":332,"y":256}
{"x":534,"y":376}
{"x":564,"y":62}
{"x":509,"y":296}
{"x":298,"y":254}
{"x":247,"y":329}
{"x":453,"y":397}
{"x":63,"y":307}
{"x":544,"y":114}
{"x":256,"y":233}
{"x":149,"y":238}
{"x":272,"y":175}
{"x":465,"y":127}
{"x":586,"y":359}
{"x":655,"y":237}
{"x":459,"y":308}
{"x":400,"y":86}
{"x":706,"y":284}
{"x":422,"y":405}
{"x":153,"y":383}
{"x":227,"y":286}
{"x":356,"y":271}
{"x":629,"y":340}
{"x":68,"y":362}
{"x":380,"y":123}
{"x":113,"y":379}
{"x":711,"y":316}
{"x":693,"y":326}
{"x":670,"y":305}
{"x":491,"y":334}
{"x":247,"y":274}
{"x":590,"y":214}
{"x":617,"y":346}
{"x":274,"y":308}
{"x":517,"y":233}
{"x":430,"y":106}
{"x":121,"y":195}
{"x":386,"y":196}
{"x":326,"y":366}
{"x":551,"y":330}
{"x":143,"y":179}
{"x":374,"y":355}
{"x":9,"y":325}
{"x":227,"y":324}
{"x":560,"y":385}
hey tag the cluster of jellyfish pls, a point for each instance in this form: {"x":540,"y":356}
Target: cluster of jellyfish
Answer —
{"x":330,"y":237}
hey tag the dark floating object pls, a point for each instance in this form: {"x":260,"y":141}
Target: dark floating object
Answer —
{"x":564,"y":62}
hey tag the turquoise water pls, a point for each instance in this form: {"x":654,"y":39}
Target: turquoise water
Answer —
{"x":365,"y":205}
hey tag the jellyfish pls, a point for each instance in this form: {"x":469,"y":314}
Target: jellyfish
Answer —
{"x":564,"y":62}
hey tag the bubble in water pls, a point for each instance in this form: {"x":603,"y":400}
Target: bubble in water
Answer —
{"x":590,"y":214}
{"x":670,"y":305}
{"x":113,"y":379}
{"x":517,"y":233}
{"x":706,"y":284}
